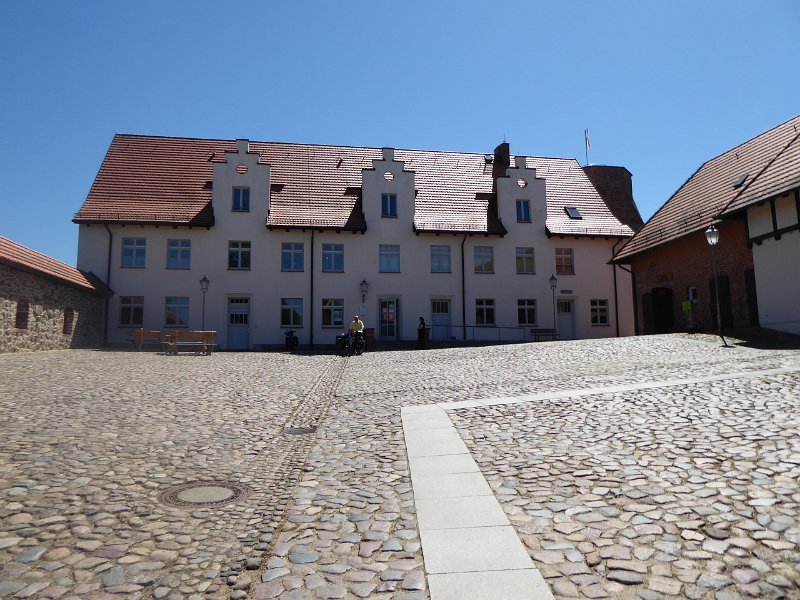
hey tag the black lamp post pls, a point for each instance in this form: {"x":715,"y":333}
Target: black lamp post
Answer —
{"x":712,"y":236}
{"x":553,"y":283}
{"x":204,"y":288}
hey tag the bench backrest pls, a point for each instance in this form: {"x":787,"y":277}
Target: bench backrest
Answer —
{"x":141,"y":334}
{"x":203,"y":336}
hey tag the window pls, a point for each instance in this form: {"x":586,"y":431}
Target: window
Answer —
{"x":599,"y":312}
{"x":484,"y":259}
{"x":69,"y":321}
{"x":565,"y":264}
{"x":692,"y":292}
{"x":131,"y":311}
{"x":573,"y":212}
{"x":526,"y":312}
{"x":484,"y":312}
{"x":389,"y":205}
{"x":523,"y":211}
{"x":291,"y":312}
{"x":179,"y":253}
{"x":241,"y":199}
{"x":176,"y":311}
{"x":389,"y":259}
{"x":440,"y":259}
{"x":291,"y":257}
{"x":332,"y":312}
{"x":238,"y":255}
{"x":23,"y":310}
{"x":525,"y":260}
{"x":332,"y":258}
{"x":133,"y":251}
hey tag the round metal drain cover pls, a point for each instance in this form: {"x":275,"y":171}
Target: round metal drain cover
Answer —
{"x":205,"y":494}
{"x":299,"y":430}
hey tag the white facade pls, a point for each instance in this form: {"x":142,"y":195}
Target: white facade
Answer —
{"x":777,"y":273}
{"x":244,"y":305}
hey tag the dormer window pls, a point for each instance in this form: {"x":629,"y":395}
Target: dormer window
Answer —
{"x":241,"y":199}
{"x":573,"y":212}
{"x":389,"y":206}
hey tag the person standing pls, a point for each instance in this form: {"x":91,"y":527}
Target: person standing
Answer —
{"x":422,"y":333}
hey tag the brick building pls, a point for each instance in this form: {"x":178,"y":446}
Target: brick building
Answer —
{"x":46,"y":304}
{"x":671,"y":260}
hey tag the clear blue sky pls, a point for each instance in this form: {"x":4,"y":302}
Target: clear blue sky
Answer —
{"x":662,"y":86}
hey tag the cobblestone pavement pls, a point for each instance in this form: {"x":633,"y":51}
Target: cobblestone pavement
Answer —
{"x":687,"y":491}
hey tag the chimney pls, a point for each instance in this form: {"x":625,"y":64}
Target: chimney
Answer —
{"x":502,"y":160}
{"x":242,"y":146}
{"x":615,"y":186}
{"x":388,"y":154}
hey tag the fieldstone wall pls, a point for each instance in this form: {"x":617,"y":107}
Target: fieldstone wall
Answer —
{"x":47,"y":302}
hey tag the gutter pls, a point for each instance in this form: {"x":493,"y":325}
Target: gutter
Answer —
{"x":463,"y":292}
{"x":311,"y":308}
{"x":108,"y":281}
{"x":616,"y":295}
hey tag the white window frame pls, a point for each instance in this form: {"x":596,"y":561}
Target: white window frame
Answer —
{"x":178,"y":306}
{"x":333,"y":312}
{"x":523,"y":211}
{"x":179,"y":254}
{"x":292,"y":313}
{"x":242,"y":202}
{"x":565,"y":261}
{"x":388,"y":258}
{"x":524,"y":256}
{"x":438,"y":256}
{"x":238,"y":250}
{"x":484,"y":259}
{"x":599,"y":312}
{"x":389,"y":206}
{"x":134,"y":253}
{"x":295,"y":251}
{"x":129,"y":304}
{"x":333,"y":254}
{"x":484,"y":311}
{"x":524,"y":308}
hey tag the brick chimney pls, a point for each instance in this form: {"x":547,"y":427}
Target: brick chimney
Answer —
{"x":615,"y":186}
{"x":502,"y":160}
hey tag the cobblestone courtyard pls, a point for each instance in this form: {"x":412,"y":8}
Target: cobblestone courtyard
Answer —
{"x":653,"y":467}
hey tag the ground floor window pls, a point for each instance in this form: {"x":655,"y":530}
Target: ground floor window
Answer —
{"x":291,"y":312}
{"x":484,"y":311}
{"x":23,"y":310}
{"x":599,"y":312}
{"x":176,"y":313}
{"x":131,"y":311}
{"x":332,"y":312}
{"x":69,"y":321}
{"x":526,"y":312}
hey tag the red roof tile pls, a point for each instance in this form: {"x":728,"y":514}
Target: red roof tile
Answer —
{"x":710,"y":191}
{"x":147,"y":179}
{"x":19,"y":257}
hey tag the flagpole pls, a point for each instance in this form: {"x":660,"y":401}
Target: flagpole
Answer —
{"x":586,"y":144}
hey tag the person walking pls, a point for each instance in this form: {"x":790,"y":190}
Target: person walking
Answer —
{"x":422,"y":334}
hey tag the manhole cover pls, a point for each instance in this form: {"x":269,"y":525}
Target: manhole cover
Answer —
{"x":205,"y":494}
{"x":298,"y":430}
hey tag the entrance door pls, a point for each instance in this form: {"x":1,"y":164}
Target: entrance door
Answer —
{"x":663,"y":315}
{"x":440,"y":319}
{"x":239,"y":323}
{"x":566,"y":319}
{"x":389,"y":319}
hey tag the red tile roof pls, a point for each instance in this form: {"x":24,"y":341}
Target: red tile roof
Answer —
{"x":146,"y":179}
{"x":771,"y":162}
{"x":19,"y":257}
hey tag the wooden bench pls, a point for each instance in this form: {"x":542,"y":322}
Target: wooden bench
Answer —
{"x":543,"y":334}
{"x":197,"y":341}
{"x":139,"y":337}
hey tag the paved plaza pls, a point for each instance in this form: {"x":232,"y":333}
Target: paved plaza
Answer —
{"x":636,"y":468}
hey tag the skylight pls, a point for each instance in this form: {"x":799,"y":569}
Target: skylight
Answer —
{"x":573,"y":212}
{"x":740,"y":181}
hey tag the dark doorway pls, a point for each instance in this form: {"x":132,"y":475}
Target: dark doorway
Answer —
{"x":724,"y":302}
{"x":663,"y":315}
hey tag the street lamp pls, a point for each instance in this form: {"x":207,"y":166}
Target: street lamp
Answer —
{"x":712,"y":236}
{"x":204,"y":288}
{"x":364,"y":288}
{"x":553,"y":282}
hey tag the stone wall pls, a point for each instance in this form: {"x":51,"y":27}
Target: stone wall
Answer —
{"x":47,"y":303}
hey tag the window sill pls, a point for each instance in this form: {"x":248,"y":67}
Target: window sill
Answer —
{"x":565,"y":274}
{"x":179,"y":268}
{"x":388,"y":216}
{"x":389,"y":272}
{"x":442,"y":272}
{"x":131,"y":267}
{"x":292,"y":271}
{"x":130,"y":326}
{"x":291,"y":326}
{"x":239,"y":269}
{"x":601,"y":324}
{"x":333,"y":271}
{"x":484,"y":272}
{"x":526,"y":272}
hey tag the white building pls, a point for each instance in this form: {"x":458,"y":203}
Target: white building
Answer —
{"x":287,"y":234}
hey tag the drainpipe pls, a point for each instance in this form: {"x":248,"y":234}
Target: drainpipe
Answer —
{"x":311,"y":301}
{"x":108,"y":281}
{"x":463,"y":292}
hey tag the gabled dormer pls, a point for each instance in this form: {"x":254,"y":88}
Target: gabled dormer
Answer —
{"x":241,"y":186}
{"x":387,"y":193}
{"x":521,"y":198}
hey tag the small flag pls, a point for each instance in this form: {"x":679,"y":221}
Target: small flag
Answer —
{"x":586,"y":136}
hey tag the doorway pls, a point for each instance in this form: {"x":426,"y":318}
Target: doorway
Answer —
{"x":663,"y":315}
{"x":239,"y":323}
{"x":440,"y":319}
{"x":566,"y":319}
{"x":388,"y":328}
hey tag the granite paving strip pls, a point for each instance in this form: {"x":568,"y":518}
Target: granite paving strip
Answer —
{"x":470,"y":550}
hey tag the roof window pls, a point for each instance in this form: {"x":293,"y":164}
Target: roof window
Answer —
{"x":573,"y":212}
{"x":740,"y":181}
